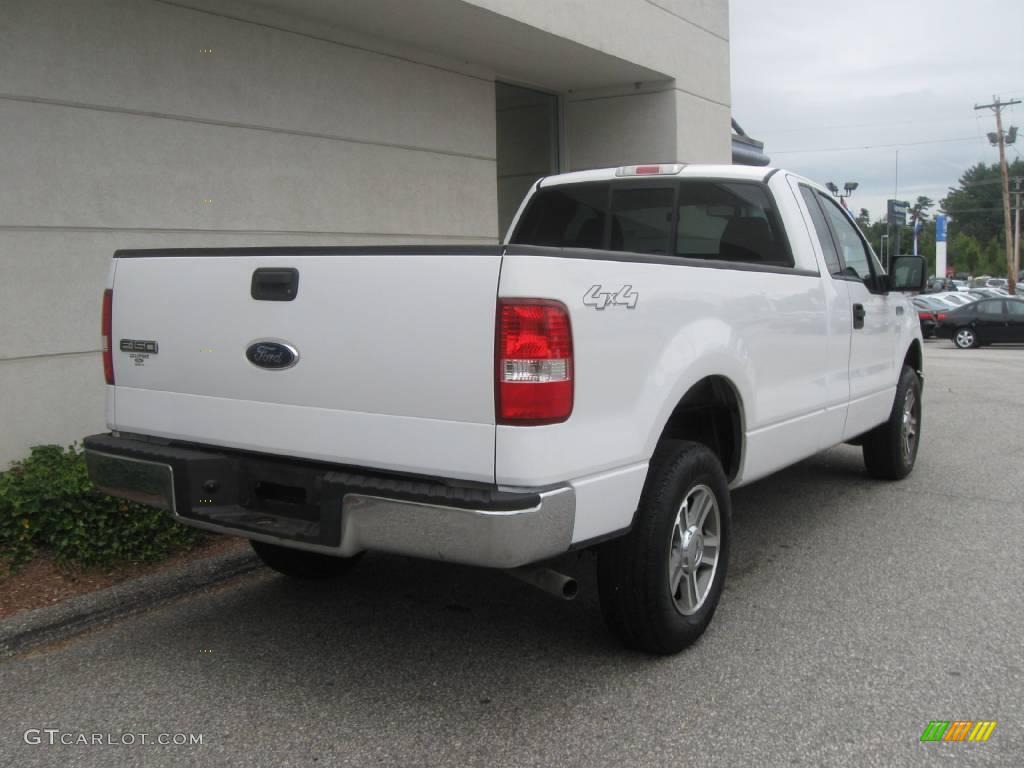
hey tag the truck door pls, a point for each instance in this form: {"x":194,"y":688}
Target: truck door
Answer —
{"x":873,"y":373}
{"x":835,"y":362}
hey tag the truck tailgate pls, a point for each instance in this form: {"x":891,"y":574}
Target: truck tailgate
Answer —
{"x":395,"y":354}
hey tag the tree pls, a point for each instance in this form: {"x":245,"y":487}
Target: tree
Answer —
{"x":965,"y":254}
{"x":919,"y":210}
{"x":993,"y":258}
{"x":864,"y":220}
{"x":976,"y":205}
{"x":926,"y":244}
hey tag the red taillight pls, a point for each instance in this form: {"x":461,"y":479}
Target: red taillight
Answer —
{"x":105,"y":329}
{"x":922,"y":315}
{"x":941,"y":316}
{"x":647,"y":170}
{"x":533,"y":362}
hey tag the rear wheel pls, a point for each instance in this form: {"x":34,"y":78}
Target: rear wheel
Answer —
{"x":890,"y":450}
{"x":965,"y":338}
{"x":299,"y":564}
{"x":659,"y":585}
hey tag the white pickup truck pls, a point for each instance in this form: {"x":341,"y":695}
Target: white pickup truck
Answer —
{"x":645,"y":339}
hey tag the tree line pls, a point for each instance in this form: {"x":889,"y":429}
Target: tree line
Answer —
{"x":975,"y":209}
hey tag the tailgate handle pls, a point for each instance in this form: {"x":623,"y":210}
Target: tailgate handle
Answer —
{"x":275,"y":283}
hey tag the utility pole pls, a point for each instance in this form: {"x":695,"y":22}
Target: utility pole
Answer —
{"x":1016,"y":229}
{"x":999,"y":138}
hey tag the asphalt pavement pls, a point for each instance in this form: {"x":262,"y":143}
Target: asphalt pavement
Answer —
{"x":855,"y":612}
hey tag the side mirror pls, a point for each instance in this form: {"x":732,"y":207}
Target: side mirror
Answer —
{"x":908,"y":274}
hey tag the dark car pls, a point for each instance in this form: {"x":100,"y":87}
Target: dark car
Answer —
{"x":989,"y":321}
{"x":926,"y":315}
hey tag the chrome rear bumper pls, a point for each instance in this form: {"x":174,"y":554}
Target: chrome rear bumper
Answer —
{"x":342,"y":512}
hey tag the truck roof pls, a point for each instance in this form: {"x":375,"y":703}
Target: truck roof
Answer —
{"x":694,"y":171}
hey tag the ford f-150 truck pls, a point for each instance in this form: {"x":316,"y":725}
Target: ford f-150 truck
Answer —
{"x":644,"y":339}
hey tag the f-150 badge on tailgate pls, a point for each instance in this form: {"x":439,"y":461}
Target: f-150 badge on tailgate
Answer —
{"x":139,"y":350}
{"x":138,"y":345}
{"x":272,"y":354}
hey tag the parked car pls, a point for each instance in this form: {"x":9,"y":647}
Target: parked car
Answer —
{"x":940,"y":284}
{"x":926,"y":316}
{"x":645,"y":339}
{"x":935,"y":303}
{"x":986,"y":293}
{"x":956,"y":299}
{"x":989,"y":321}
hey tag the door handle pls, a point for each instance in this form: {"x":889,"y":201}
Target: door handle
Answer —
{"x":858,"y":316}
{"x":275,"y":284}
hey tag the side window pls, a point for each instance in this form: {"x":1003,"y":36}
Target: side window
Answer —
{"x":991,"y":307}
{"x":1015,"y":308}
{"x":855,"y":257}
{"x":569,"y":216}
{"x":828,"y":247}
{"x":642,"y":219}
{"x":730,"y":222}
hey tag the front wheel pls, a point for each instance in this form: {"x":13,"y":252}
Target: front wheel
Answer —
{"x":659,"y":585}
{"x":965,"y":338}
{"x":890,"y":449}
{"x":299,"y":564}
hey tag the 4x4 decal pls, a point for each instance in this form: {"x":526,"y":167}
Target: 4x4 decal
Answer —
{"x":599,"y":299}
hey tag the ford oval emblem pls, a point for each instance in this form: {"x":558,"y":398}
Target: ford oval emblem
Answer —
{"x":272,"y":354}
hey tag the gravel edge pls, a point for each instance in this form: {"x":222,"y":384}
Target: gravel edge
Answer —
{"x":28,"y":629}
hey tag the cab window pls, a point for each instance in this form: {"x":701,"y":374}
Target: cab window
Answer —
{"x":642,"y":219}
{"x":567,"y":216}
{"x":852,"y":249}
{"x":828,"y":246}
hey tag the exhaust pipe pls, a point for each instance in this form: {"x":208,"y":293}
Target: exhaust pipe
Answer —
{"x":552,"y":582}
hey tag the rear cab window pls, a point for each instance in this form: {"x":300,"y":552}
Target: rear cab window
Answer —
{"x":566,"y":216}
{"x":691,"y":219}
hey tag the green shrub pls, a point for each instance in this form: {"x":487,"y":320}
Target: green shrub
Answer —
{"x":47,"y":502}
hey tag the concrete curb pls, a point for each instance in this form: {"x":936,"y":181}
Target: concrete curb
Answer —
{"x":70,"y":617}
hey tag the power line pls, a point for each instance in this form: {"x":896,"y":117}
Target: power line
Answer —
{"x":871,"y":146}
{"x":771,"y":131}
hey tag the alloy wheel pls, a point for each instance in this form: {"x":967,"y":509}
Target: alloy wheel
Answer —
{"x":694,"y":549}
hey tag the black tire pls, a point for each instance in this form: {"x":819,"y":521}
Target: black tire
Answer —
{"x":299,"y":564}
{"x":634,"y":572}
{"x":965,"y":337}
{"x":890,"y":449}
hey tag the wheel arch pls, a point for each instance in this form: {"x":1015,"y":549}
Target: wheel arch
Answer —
{"x":914,"y":357}
{"x":711,"y":413}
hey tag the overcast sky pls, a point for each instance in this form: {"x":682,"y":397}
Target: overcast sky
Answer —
{"x":813,"y":75}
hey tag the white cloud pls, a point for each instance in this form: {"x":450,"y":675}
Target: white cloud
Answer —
{"x":808,"y":75}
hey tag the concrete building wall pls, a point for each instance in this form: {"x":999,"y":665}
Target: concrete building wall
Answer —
{"x":118,"y":130}
{"x":685,"y":40}
{"x":527,"y":144}
{"x":620,"y":127}
{"x":142,"y":123}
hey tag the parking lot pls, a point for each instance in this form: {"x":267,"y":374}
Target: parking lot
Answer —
{"x":855,"y":612}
